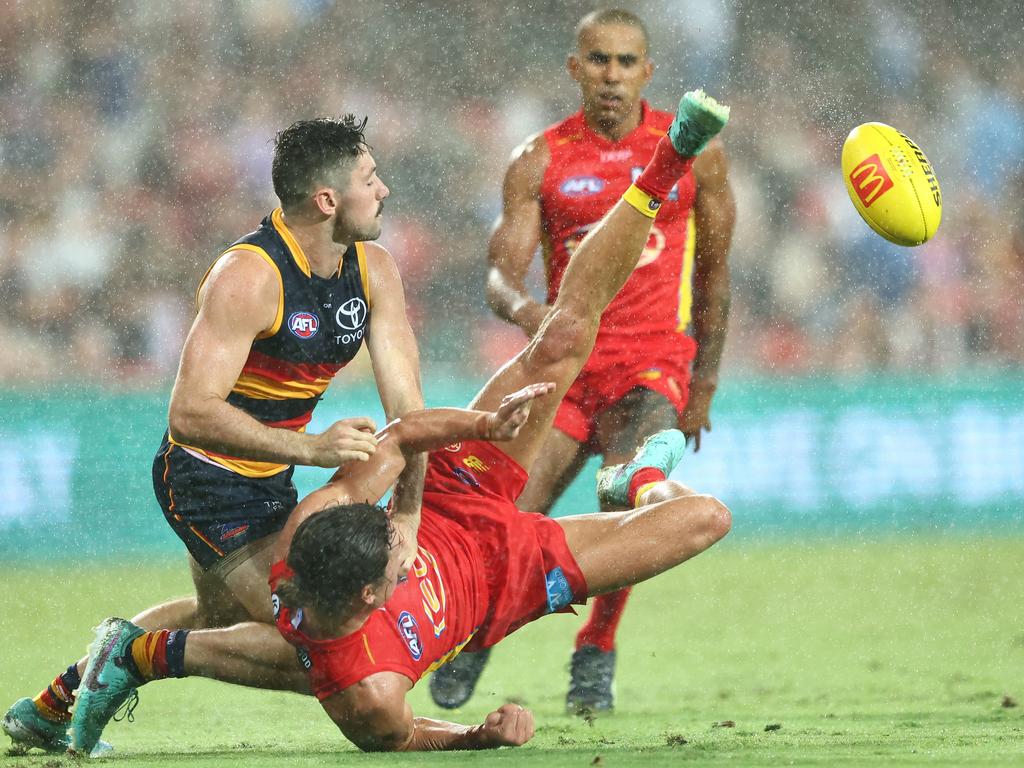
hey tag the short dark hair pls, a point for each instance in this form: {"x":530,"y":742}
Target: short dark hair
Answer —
{"x":334,"y":554}
{"x":310,"y":150}
{"x":611,"y":16}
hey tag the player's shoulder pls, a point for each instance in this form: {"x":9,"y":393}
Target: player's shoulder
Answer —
{"x":240,"y":278}
{"x":375,"y":251}
{"x":381,"y":273}
{"x":242,"y":263}
{"x":530,"y":149}
{"x":533,"y":155}
{"x":528,"y":163}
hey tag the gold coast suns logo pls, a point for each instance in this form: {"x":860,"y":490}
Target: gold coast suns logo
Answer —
{"x":652,"y":250}
{"x":870,"y":180}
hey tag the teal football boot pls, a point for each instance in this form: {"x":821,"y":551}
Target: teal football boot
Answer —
{"x":29,"y":729}
{"x":697,"y":121}
{"x":662,"y":450}
{"x":108,"y":683}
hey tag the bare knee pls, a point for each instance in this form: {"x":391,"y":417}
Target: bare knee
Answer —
{"x":707,"y":518}
{"x":718,"y":519}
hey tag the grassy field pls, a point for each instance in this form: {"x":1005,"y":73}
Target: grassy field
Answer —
{"x":891,"y":651}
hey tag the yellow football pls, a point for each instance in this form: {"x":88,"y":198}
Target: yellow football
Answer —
{"x":892,"y":184}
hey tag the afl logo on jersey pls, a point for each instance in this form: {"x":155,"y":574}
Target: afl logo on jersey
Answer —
{"x":581,"y":186}
{"x":410,"y":633}
{"x":304,"y":324}
{"x":351,"y":315}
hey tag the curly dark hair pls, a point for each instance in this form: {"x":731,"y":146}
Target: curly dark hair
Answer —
{"x":312,"y":150}
{"x":334,"y":554}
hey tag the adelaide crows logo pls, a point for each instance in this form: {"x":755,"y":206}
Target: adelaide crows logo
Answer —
{"x":304,"y":324}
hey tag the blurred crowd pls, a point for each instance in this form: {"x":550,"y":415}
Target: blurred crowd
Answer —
{"x":135,"y":143}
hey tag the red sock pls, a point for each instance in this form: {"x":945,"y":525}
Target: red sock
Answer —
{"x":55,"y":701}
{"x":663,"y":171}
{"x":643,"y":477}
{"x":149,"y":652}
{"x":604,"y":620}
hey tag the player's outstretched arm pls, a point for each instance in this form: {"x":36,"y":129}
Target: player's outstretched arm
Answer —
{"x":418,"y":431}
{"x":437,"y":427}
{"x":375,"y":716}
{"x":240,"y":301}
{"x":516,"y":235}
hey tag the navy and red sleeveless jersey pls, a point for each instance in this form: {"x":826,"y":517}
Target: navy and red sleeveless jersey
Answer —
{"x":319,"y":328}
{"x":586,"y":176}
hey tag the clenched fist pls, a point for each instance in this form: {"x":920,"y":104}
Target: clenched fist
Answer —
{"x":509,"y":726}
{"x":343,"y":441}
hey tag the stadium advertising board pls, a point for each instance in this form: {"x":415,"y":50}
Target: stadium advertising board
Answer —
{"x":786,"y":456}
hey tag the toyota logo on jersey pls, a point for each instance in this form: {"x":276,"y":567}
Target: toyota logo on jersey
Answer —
{"x":351,"y":315}
{"x":304,"y":324}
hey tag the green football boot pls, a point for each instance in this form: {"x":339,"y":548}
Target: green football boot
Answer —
{"x":28,"y":729}
{"x":109,"y":682}
{"x":697,"y":121}
{"x":662,"y":450}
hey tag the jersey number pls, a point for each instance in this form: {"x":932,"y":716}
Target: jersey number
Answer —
{"x":435,"y":601}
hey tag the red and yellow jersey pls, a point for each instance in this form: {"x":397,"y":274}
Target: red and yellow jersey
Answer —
{"x":586,"y":176}
{"x":319,"y":328}
{"x":427,"y":620}
{"x":484,"y":569}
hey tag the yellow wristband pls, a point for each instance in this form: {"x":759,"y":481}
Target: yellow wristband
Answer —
{"x":641,"y":492}
{"x":643,"y":202}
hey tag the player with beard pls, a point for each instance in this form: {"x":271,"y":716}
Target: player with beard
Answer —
{"x":655,"y":363}
{"x":373,"y":600}
{"x":279,"y":314}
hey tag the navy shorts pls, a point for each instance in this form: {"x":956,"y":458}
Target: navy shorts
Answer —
{"x":216,"y":511}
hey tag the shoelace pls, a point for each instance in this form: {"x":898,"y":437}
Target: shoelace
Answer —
{"x":127,"y":709}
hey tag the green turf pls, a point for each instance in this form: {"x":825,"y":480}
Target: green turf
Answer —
{"x":891,"y":652}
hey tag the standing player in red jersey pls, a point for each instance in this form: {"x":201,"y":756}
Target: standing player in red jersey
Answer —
{"x":646,"y":373}
{"x":373,"y":601}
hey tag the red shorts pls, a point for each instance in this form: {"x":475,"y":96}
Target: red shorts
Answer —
{"x":529,"y":568}
{"x":660,"y":363}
